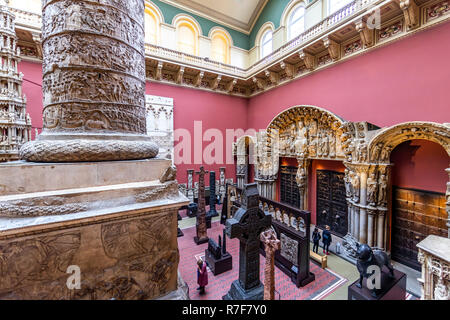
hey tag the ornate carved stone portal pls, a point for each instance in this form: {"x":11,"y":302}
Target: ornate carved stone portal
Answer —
{"x":94,"y":97}
{"x":15,"y":123}
{"x":307,"y":132}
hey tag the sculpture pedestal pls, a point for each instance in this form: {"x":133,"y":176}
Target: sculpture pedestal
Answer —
{"x":199,"y":241}
{"x":221,"y":265}
{"x":238,"y":293}
{"x":115,"y":222}
{"x":392,"y":288}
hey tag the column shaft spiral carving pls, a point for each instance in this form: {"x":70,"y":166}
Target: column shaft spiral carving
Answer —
{"x":93,"y":83}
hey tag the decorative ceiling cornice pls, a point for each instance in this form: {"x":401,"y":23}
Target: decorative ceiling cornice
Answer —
{"x":348,"y":37}
{"x":217,"y":16}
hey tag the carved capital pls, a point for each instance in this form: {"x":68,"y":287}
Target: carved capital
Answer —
{"x":37,"y":40}
{"x":215,"y":82}
{"x":159,"y":68}
{"x":198,"y":79}
{"x":334,"y":48}
{"x":231,"y":85}
{"x":288,"y":68}
{"x":272,"y":77}
{"x":308,"y":59}
{"x":260,"y":83}
{"x":180,"y":75}
{"x":367,"y":34}
{"x":411,"y":12}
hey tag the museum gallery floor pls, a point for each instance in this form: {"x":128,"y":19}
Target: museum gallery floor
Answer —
{"x":326,"y":280}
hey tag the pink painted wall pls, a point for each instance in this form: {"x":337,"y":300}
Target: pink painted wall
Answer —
{"x":404,"y":81}
{"x":420,"y":164}
{"x":214,"y":110}
{"x":32,"y":88}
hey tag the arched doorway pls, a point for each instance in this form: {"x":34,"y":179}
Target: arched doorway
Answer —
{"x":418,"y":197}
{"x":244,"y":152}
{"x":380,"y":150}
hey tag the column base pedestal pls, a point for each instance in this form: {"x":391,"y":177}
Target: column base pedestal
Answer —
{"x":238,"y":293}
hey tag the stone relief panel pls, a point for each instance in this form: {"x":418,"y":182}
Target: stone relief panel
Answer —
{"x":133,"y":260}
{"x":27,"y":262}
{"x":289,"y":248}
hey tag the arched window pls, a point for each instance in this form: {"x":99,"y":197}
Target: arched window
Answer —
{"x":187,"y":35}
{"x":220,"y":46}
{"x":296,"y":22}
{"x":266,"y":43}
{"x":153,"y":21}
{"x":335,"y":5}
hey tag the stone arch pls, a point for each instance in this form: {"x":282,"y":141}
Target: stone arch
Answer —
{"x":244,"y":148}
{"x":303,"y":132}
{"x":310,"y":132}
{"x":382,"y":144}
{"x":386,"y":140}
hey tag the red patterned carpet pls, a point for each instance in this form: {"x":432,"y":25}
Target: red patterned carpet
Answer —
{"x":325,"y":283}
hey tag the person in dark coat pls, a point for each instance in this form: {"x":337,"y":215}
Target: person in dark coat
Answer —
{"x":326,"y":239}
{"x":202,"y":276}
{"x":316,"y":237}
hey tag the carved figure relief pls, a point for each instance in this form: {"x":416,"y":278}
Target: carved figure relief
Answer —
{"x":289,"y":248}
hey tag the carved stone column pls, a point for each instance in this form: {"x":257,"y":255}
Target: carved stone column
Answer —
{"x":94,"y":98}
{"x":190,"y":185}
{"x":434,"y":255}
{"x":362,"y":210}
{"x":370,"y":228}
{"x":302,"y":181}
{"x":272,"y":244}
{"x":380,"y":230}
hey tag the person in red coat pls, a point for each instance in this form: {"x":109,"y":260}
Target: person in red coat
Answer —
{"x":202,"y":276}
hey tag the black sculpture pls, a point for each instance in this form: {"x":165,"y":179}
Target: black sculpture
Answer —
{"x":215,"y":249}
{"x":216,"y":256}
{"x":368,"y":257}
{"x":192,"y":209}
{"x":212,"y":195}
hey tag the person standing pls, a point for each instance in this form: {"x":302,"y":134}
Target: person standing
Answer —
{"x":202,"y":276}
{"x":316,"y":237}
{"x":326,"y":239}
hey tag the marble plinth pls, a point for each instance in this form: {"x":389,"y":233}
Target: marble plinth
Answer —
{"x":115,"y":221}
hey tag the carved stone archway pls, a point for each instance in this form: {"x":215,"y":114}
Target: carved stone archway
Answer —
{"x":305,"y":133}
{"x":381,"y":146}
{"x":243,"y":150}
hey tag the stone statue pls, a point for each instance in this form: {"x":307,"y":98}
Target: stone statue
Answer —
{"x":301,"y":141}
{"x":372,"y":189}
{"x":368,"y":257}
{"x":348,"y":187}
{"x":355,"y":186}
{"x":312,"y":134}
{"x":301,"y":177}
{"x":362,"y":151}
{"x":382,"y":191}
{"x":325,"y":144}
